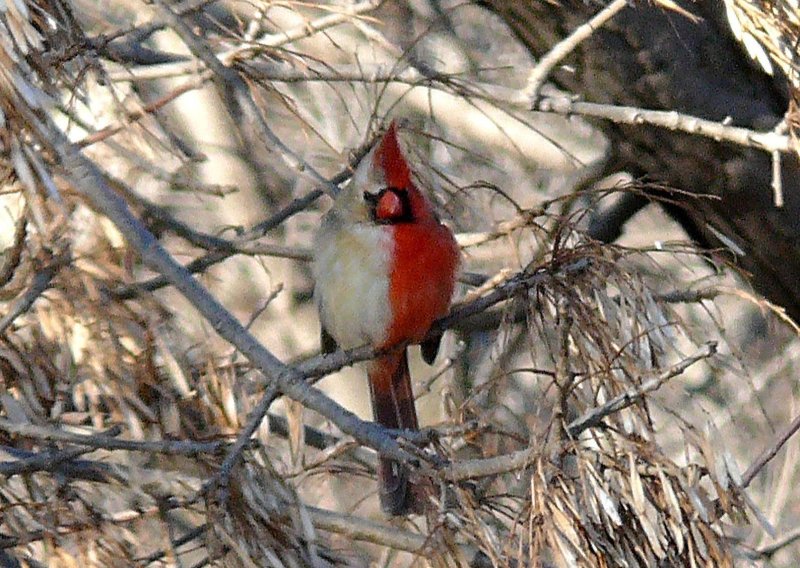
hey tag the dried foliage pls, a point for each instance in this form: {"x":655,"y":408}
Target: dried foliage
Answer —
{"x":770,"y":31}
{"x":607,"y":496}
{"x":560,"y":436}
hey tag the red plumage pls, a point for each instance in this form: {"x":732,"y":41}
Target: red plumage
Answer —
{"x":421,"y":281}
{"x":390,"y":160}
{"x":415,"y":259}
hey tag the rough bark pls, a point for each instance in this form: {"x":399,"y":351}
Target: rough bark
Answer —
{"x":651,"y":58}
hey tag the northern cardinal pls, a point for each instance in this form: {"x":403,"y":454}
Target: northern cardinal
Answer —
{"x":385,"y":269}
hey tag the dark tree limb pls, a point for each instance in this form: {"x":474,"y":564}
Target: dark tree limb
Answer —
{"x":651,"y":58}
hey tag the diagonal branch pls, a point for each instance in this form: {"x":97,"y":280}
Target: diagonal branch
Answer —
{"x":566,"y":46}
{"x":484,"y":467}
{"x":626,"y":399}
{"x":41,"y":281}
{"x":768,"y":453}
{"x":85,"y":176}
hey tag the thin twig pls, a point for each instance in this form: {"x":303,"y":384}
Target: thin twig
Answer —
{"x":247,"y":50}
{"x":471,"y":469}
{"x":777,"y":180}
{"x":626,"y":399}
{"x":220,"y":480}
{"x":169,"y":447}
{"x":186,"y":538}
{"x":770,"y":452}
{"x":566,"y":46}
{"x":208,"y":260}
{"x":41,"y":281}
{"x":48,"y":460}
{"x":54,"y":460}
{"x":771,"y":549}
{"x":147,"y":110}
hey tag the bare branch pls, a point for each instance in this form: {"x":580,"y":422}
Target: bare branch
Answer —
{"x":566,"y":46}
{"x":471,"y":469}
{"x":672,"y":120}
{"x":770,"y":452}
{"x":41,"y":281}
{"x":106,"y":441}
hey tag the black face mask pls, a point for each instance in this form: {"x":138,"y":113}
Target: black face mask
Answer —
{"x":401,"y":215}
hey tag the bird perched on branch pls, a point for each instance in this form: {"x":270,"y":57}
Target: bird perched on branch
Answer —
{"x":385,"y":269}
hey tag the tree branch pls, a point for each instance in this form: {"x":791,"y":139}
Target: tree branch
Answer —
{"x":84,"y":175}
{"x":41,"y":281}
{"x":471,"y":469}
{"x":770,"y":452}
{"x":566,"y":46}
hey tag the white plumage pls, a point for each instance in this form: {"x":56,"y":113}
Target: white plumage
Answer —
{"x":352,"y":282}
{"x":352,"y":263}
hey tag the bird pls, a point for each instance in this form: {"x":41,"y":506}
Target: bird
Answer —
{"x":385,"y":269}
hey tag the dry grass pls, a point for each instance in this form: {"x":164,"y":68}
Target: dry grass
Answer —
{"x":589,"y":408}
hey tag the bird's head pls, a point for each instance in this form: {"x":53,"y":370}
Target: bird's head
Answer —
{"x":382,"y":190}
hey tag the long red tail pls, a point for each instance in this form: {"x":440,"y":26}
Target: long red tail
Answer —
{"x":393,"y":406}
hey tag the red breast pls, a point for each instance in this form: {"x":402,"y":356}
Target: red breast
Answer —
{"x":384,"y":265}
{"x":425,"y":255}
{"x":421,"y":280}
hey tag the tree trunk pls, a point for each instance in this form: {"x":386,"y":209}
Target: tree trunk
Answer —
{"x":655,"y":59}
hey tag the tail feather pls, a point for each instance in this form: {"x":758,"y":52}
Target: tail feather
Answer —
{"x":393,"y":406}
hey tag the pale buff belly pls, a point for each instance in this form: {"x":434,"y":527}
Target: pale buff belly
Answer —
{"x":351,"y":268}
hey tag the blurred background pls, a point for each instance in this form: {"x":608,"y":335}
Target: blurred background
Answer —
{"x":228,"y":175}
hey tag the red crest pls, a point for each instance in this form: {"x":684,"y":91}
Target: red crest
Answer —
{"x":391,"y":160}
